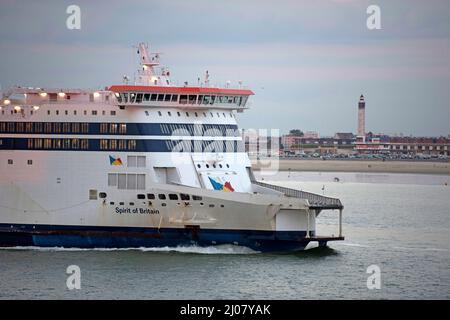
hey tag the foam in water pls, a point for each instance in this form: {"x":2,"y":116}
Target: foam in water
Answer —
{"x":220,"y":249}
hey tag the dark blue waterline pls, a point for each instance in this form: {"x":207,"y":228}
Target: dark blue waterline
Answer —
{"x":135,"y":237}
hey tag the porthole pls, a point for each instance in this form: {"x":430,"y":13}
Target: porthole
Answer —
{"x":163,"y":204}
{"x":131,"y":203}
{"x":207,"y":165}
{"x":102,"y":195}
{"x":199,"y":166}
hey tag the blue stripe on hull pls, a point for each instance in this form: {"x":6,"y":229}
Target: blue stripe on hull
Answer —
{"x":131,"y":237}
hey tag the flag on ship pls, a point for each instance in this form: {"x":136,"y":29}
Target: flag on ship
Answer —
{"x":222,"y":187}
{"x":115,"y":161}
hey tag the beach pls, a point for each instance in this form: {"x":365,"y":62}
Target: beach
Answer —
{"x":419,"y":167}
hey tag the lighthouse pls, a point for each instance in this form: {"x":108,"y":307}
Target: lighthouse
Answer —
{"x":361,"y":117}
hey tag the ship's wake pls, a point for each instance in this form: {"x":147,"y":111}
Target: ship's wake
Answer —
{"x":220,"y":249}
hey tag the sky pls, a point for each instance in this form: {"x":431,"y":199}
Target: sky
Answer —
{"x":307,"y":61}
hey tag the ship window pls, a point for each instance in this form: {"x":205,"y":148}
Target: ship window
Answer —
{"x":92,"y":194}
{"x":159,"y":113}
{"x":74,"y":112}
{"x":183,"y":99}
{"x":187,"y":114}
{"x":146,"y":113}
{"x":220,"y":99}
{"x":94,"y":112}
{"x":167,"y":97}
{"x":212,"y":116}
{"x":147,"y":97}
{"x":160,"y":97}
{"x":132,"y":97}
{"x":169,"y":113}
{"x":218,"y":115}
{"x":196,"y":198}
{"x":220,"y":166}
{"x":163,"y":204}
{"x":213,"y":98}
{"x":66,"y":112}
{"x":211,"y":205}
{"x":173,"y":196}
{"x":103,"y":112}
{"x":222,"y":206}
{"x":192,"y":99}
{"x":121,"y":203}
{"x":111,"y":203}
{"x":228,"y":165}
{"x":150,"y":196}
{"x":153,"y":97}
{"x":141,"y":181}
{"x":196,"y":114}
{"x":179,"y":114}
{"x":10,"y":161}
{"x":122,"y":181}
{"x":141,"y":196}
{"x":102,"y":195}
{"x":199,"y":166}
{"x":112,"y":179}
{"x":162,"y":196}
{"x":139,"y":98}
{"x":131,"y":203}
{"x":224,"y":115}
{"x":85,"y":112}
{"x":200,"y":99}
{"x":207,"y":165}
{"x":206,"y":100}
{"x":204,"y":114}
{"x":131,"y":181}
{"x":184,"y":196}
{"x":57,"y":112}
{"x":174,"y":97}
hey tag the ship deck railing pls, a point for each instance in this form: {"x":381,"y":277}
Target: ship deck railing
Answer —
{"x":316,"y":201}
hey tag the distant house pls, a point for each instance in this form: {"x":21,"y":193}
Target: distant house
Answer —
{"x":344,"y":135}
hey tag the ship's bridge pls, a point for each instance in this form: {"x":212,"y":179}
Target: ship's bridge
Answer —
{"x":181,"y":97}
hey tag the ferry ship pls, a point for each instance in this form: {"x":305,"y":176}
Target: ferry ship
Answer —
{"x":149,"y":164}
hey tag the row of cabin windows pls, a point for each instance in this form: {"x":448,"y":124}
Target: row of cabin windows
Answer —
{"x":117,"y":144}
{"x":214,"y":166}
{"x":66,"y":112}
{"x":56,"y":144}
{"x":85,"y":112}
{"x":60,"y":127}
{"x":183,"y":99}
{"x":171,"y":196}
{"x":214,"y":130}
{"x":196,"y":114}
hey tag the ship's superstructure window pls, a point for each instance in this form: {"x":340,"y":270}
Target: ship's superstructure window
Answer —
{"x":10,"y":161}
{"x":184,"y":196}
{"x":150,"y":196}
{"x":141,"y":196}
{"x":161,"y":196}
{"x":102,"y":195}
{"x":159,"y":113}
{"x":173,"y":196}
{"x":197,"y":198}
{"x":131,"y":181}
{"x":136,"y":161}
{"x":113,"y":112}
